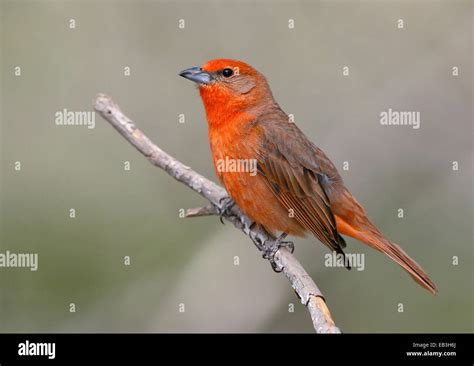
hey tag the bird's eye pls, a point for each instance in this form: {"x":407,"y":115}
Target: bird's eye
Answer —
{"x":227,"y":72}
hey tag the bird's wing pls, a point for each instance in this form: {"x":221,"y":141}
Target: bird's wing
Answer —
{"x":298,"y":177}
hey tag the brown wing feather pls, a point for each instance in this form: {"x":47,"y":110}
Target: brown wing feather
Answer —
{"x":303,"y":178}
{"x":296,"y":186}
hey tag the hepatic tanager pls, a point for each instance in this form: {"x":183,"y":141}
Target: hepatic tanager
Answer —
{"x":297,"y":189}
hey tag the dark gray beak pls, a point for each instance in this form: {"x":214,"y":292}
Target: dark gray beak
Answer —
{"x":197,"y":75}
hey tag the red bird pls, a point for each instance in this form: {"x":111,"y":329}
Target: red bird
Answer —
{"x":296,"y":188}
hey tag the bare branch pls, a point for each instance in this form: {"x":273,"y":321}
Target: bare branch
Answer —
{"x":301,"y":282}
{"x":201,"y":211}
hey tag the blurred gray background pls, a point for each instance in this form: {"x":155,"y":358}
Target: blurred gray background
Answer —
{"x":191,"y":261}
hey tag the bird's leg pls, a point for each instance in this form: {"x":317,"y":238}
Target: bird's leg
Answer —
{"x":277,"y":244}
{"x":225,"y":205}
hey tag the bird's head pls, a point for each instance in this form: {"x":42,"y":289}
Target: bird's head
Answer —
{"x":229,"y":86}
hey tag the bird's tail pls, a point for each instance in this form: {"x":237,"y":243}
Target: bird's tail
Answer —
{"x":372,"y":237}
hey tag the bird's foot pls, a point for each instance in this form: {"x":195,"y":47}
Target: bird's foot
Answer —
{"x":277,"y":244}
{"x":225,"y":205}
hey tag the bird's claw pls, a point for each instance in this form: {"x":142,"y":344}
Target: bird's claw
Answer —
{"x":225,"y":205}
{"x":277,"y":244}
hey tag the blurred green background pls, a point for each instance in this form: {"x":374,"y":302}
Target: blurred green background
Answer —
{"x":191,"y":261}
